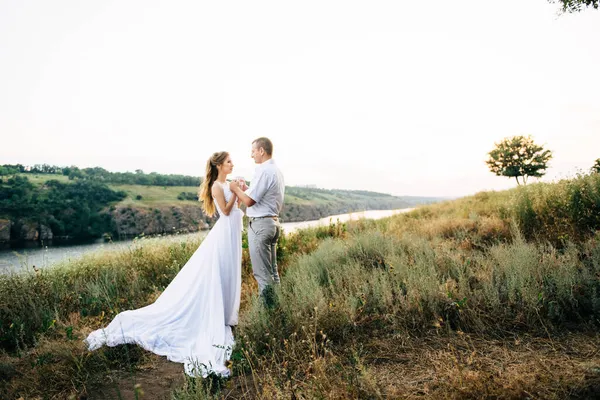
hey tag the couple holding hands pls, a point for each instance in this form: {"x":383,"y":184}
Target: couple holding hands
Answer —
{"x":190,"y":322}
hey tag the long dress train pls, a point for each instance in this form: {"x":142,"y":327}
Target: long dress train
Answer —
{"x":191,"y":321}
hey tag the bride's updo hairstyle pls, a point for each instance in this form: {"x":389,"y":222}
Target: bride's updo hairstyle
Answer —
{"x":205,"y":191}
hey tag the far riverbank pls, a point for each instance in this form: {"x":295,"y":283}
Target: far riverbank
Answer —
{"x":43,"y":257}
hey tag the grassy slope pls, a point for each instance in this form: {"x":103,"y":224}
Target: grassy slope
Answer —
{"x":464,"y":299}
{"x":151,"y":195}
{"x":454,"y":300}
{"x":154,"y":195}
{"x":41,"y":178}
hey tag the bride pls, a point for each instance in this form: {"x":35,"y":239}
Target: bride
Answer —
{"x":191,"y":321}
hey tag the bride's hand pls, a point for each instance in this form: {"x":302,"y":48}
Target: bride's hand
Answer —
{"x":241,"y":182}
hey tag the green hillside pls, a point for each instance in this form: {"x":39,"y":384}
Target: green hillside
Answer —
{"x":54,"y":207}
{"x":294,"y":195}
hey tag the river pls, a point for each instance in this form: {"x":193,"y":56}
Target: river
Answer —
{"x":42,"y":257}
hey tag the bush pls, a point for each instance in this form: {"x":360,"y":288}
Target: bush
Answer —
{"x":374,"y":281}
{"x":74,"y":209}
{"x":558,"y":213}
{"x":187,"y":196}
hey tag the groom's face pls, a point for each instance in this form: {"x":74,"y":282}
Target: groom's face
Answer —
{"x":257,"y":153}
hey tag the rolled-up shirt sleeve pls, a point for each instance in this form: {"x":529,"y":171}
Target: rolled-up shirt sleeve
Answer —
{"x":258,"y":187}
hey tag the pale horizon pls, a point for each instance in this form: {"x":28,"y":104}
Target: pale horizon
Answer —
{"x":391,"y":97}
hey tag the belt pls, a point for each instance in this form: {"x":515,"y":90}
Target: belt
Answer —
{"x":273,"y":217}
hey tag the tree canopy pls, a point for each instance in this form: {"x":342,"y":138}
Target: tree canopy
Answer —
{"x":518,"y":156}
{"x":571,"y":6}
{"x":99,"y":174}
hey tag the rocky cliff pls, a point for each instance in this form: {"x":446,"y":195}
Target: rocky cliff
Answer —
{"x":308,"y":212}
{"x":132,"y":221}
{"x":23,"y":231}
{"x":5,"y":225}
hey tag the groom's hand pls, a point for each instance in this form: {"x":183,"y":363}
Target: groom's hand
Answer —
{"x":239,"y":191}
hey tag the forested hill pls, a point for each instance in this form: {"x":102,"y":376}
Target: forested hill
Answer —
{"x":303,"y":203}
{"x":49,"y":205}
{"x":99,"y":174}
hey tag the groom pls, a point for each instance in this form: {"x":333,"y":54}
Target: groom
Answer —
{"x":264,"y":200}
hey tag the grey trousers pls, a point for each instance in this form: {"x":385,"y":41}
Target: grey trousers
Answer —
{"x":262,"y":241}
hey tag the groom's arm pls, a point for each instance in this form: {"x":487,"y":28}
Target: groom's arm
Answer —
{"x":247,"y":200}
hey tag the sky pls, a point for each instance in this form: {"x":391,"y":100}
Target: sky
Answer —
{"x":399,"y":97}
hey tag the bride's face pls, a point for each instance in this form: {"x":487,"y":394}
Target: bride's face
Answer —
{"x":226,"y":167}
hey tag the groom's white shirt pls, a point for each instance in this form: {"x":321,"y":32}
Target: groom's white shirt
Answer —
{"x":266,"y":189}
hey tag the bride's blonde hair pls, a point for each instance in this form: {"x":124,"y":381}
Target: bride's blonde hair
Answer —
{"x":205,"y":190}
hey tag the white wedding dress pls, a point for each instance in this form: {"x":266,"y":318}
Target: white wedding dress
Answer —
{"x":191,"y":321}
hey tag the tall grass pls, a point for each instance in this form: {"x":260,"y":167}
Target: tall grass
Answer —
{"x":492,"y":265}
{"x":375,"y":284}
{"x":45,"y":315}
{"x":486,"y":265}
{"x":375,"y":280}
{"x":556,"y":213}
{"x":562,"y":212}
{"x":102,"y":283}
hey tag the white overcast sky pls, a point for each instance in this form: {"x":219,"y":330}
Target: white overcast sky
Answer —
{"x":402,"y":97}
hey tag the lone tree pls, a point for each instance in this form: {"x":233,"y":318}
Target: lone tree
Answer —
{"x":570,"y":6}
{"x":518,"y":156}
{"x":596,"y":167}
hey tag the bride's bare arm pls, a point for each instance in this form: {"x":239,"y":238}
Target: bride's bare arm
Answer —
{"x":219,"y":195}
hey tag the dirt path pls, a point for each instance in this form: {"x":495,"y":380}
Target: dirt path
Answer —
{"x":458,"y":367}
{"x":466,"y":367}
{"x":155,"y":380}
